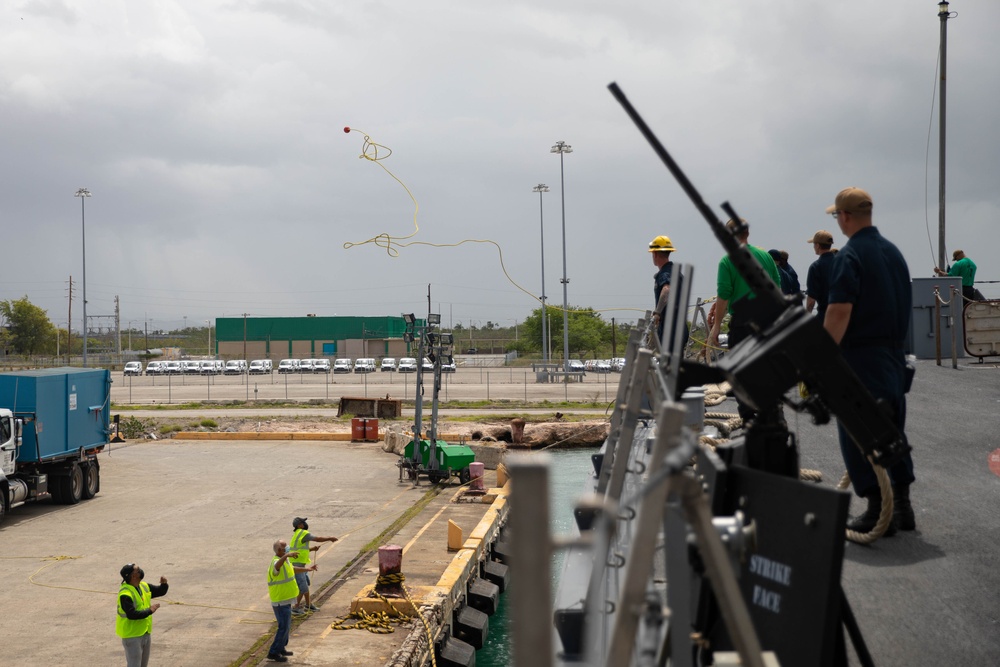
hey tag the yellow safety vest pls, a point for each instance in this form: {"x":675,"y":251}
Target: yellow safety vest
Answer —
{"x":281,"y":585}
{"x":297,"y":544}
{"x":125,"y":627}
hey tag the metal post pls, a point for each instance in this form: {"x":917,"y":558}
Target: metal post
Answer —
{"x":562,"y":148}
{"x":83,"y":193}
{"x":956,"y":300}
{"x":944,"y":15}
{"x":540,"y":188}
{"x":532,"y":597}
{"x":937,"y":325}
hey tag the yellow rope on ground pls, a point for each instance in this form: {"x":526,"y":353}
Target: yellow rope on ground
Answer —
{"x":381,"y":622}
{"x":716,"y":393}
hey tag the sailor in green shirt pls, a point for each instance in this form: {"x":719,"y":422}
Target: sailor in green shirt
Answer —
{"x":732,"y":288}
{"x":964,"y":268}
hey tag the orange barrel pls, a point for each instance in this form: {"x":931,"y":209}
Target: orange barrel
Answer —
{"x":357,"y":429}
{"x":371,"y":430}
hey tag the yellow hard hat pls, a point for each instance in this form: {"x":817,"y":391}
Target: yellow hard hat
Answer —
{"x":661,"y":244}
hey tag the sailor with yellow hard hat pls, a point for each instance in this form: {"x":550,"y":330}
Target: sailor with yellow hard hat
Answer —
{"x":660,"y":248}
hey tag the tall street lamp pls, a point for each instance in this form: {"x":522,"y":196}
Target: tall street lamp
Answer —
{"x":83,"y":193}
{"x":562,"y":148}
{"x":209,"y":323}
{"x":540,"y":188}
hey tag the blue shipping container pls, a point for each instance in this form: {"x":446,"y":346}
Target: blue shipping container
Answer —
{"x":69,"y":407}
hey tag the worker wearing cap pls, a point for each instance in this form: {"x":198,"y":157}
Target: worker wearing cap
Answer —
{"x":134,"y":624}
{"x":820,"y":273}
{"x":731,"y":289}
{"x":660,"y":248}
{"x":965,"y":268}
{"x":281,"y":588}
{"x":300,"y":544}
{"x":868,"y":316}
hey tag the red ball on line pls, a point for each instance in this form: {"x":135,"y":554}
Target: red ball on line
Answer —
{"x":347,"y":130}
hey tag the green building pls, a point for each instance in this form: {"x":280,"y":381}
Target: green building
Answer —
{"x":310,"y":337}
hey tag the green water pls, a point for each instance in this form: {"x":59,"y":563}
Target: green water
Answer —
{"x":570,"y":470}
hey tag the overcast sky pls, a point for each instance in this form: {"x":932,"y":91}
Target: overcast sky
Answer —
{"x":211,"y":135}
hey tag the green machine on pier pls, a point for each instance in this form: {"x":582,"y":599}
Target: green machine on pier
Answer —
{"x":429,"y":457}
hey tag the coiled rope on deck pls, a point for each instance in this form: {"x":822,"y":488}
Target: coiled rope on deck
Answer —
{"x":382,"y":622}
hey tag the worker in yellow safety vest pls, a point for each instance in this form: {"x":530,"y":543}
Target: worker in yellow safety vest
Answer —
{"x":300,"y":543}
{"x":135,"y":613}
{"x":282,"y":589}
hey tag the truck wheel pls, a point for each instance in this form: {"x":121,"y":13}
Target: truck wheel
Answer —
{"x":4,"y":494}
{"x":465,"y":476}
{"x":72,"y":486}
{"x":91,"y":481}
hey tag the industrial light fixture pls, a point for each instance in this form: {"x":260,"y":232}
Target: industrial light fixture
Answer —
{"x":409,"y":319}
{"x":434,"y":318}
{"x":433,"y":338}
{"x":408,"y":337}
{"x":447,"y":339}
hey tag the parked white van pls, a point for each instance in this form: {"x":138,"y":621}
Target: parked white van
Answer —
{"x":132,"y":368}
{"x":388,"y":365}
{"x":260,"y":366}
{"x":364,"y":365}
{"x":288,"y":366}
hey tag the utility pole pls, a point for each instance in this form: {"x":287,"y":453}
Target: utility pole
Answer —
{"x":118,"y":326}
{"x":69,"y":324}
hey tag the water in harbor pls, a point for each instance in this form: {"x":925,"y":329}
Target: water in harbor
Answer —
{"x":571,"y":469}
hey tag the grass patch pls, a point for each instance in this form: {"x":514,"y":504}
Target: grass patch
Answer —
{"x":209,"y":423}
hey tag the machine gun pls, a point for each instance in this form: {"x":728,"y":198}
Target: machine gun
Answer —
{"x":788,"y":346}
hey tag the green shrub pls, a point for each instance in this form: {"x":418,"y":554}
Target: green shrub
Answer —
{"x":209,"y":423}
{"x":132,"y":428}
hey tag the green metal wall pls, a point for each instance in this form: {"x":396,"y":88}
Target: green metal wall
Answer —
{"x":231,"y":329}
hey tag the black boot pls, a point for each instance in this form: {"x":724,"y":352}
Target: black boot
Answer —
{"x":902,"y":510}
{"x":866,"y":522}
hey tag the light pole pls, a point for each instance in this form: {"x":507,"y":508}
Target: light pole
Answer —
{"x":83,"y":193}
{"x":562,"y":148}
{"x":209,"y":323}
{"x":540,"y":188}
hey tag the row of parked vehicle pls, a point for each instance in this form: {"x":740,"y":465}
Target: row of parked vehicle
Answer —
{"x":265,"y":366}
{"x":203,"y":367}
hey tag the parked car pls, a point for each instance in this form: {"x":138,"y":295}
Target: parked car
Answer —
{"x":407,"y":365}
{"x":618,"y":364}
{"x":235,"y":367}
{"x":448,"y":368}
{"x":602,"y":366}
{"x":428,"y":365}
{"x":172,"y":368}
{"x":132,"y":368}
{"x":388,"y":365}
{"x":288,"y":366}
{"x":364,"y":365}
{"x":577,"y":366}
{"x":190,"y":367}
{"x":208,"y":367}
{"x":305,"y":365}
{"x":321,"y":365}
{"x":342,"y":366}
{"x":154,"y":368}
